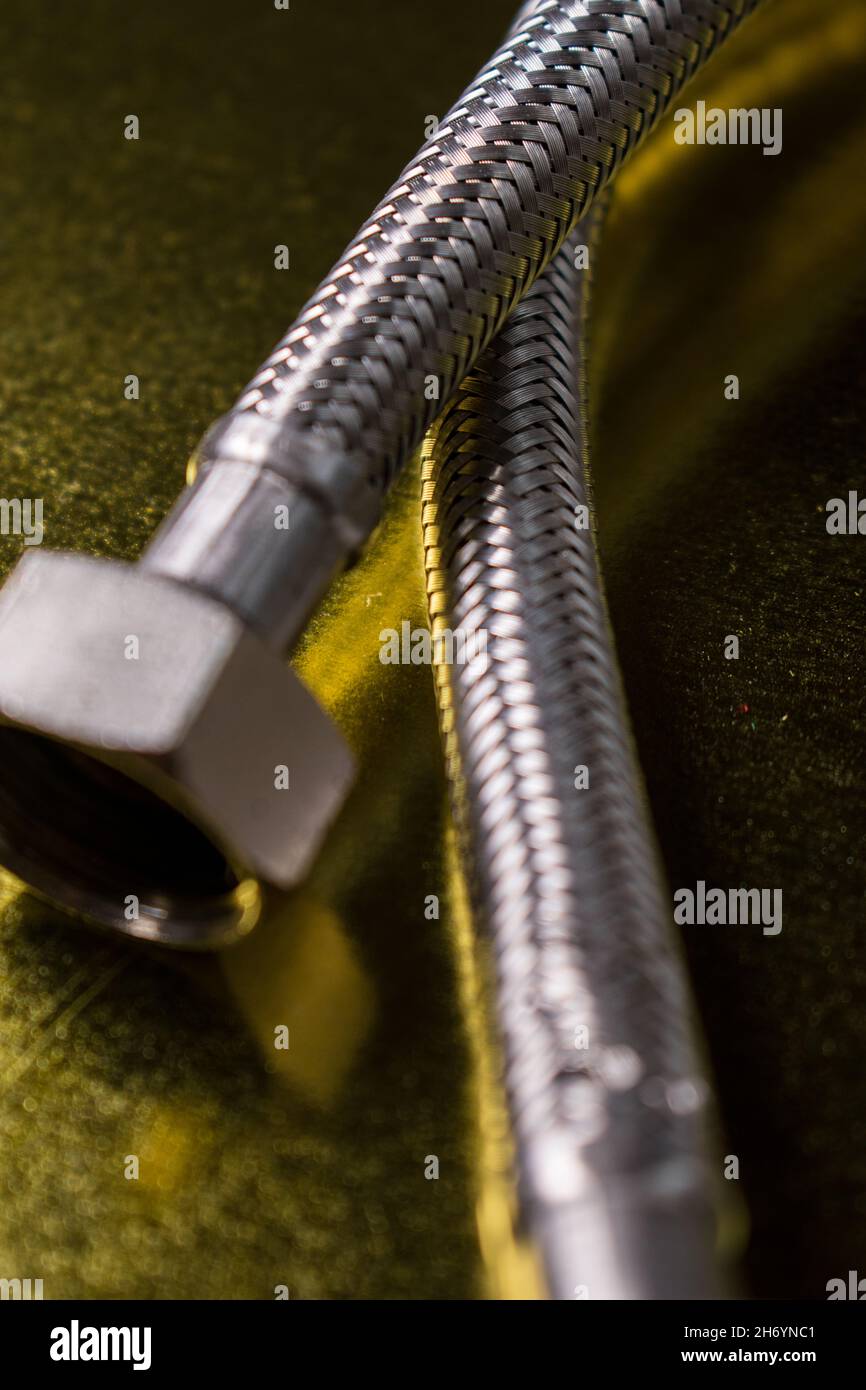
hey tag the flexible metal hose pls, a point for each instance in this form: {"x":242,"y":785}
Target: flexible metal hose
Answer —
{"x":605,"y":1090}
{"x":607,"y":1099}
{"x":348,"y":393}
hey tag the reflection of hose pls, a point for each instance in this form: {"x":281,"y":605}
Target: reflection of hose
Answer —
{"x":604,"y":1088}
{"x":349,"y":392}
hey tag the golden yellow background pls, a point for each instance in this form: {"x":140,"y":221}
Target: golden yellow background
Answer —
{"x":306,"y":1168}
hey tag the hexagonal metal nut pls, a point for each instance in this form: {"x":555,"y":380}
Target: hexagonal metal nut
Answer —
{"x":137,"y":712}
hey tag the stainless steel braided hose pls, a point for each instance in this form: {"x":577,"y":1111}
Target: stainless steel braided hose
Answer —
{"x":342,"y":401}
{"x":605,"y":1091}
{"x":185,"y":743}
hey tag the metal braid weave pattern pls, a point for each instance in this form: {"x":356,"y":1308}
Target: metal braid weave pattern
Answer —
{"x":605,"y":1090}
{"x":484,"y":206}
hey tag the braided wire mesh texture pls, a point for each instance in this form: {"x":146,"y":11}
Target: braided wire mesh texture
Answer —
{"x":610,"y":1122}
{"x":484,"y":206}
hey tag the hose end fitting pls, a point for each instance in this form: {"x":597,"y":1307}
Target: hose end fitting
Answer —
{"x":162,"y":764}
{"x":273,"y":515}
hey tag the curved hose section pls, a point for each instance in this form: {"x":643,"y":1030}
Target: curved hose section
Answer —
{"x":478,"y":213}
{"x":605,"y":1090}
{"x":346,"y":396}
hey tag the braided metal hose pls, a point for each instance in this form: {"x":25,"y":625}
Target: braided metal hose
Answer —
{"x":605,"y":1090}
{"x":610,"y":1134}
{"x":322,"y":429}
{"x":346,"y":396}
